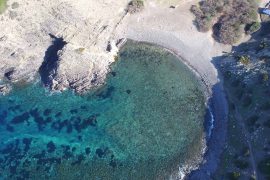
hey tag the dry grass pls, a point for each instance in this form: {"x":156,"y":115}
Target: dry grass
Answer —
{"x":3,"y":4}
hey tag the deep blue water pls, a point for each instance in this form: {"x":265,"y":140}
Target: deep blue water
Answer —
{"x":142,"y":124}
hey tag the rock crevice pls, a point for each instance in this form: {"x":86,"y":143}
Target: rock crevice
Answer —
{"x":48,"y":69}
{"x":81,"y":63}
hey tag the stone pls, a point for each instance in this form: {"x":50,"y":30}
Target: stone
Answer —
{"x":5,"y":89}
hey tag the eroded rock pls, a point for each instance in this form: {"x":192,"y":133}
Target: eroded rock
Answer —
{"x":86,"y":27}
{"x":5,"y":89}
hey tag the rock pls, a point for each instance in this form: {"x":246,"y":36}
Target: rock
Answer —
{"x":80,"y":71}
{"x":9,"y":73}
{"x":5,"y":89}
{"x":83,"y":62}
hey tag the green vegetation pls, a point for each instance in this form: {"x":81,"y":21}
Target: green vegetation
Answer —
{"x":265,"y":77}
{"x":135,"y":6}
{"x":3,"y":4}
{"x":227,"y":18}
{"x":247,"y":87}
{"x":253,"y":27}
{"x":263,"y":45}
{"x":234,"y":175}
{"x":80,"y":50}
{"x":244,"y":59}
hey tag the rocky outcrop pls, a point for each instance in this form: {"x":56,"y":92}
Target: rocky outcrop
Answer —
{"x":79,"y":69}
{"x":5,"y":89}
{"x":80,"y":60}
{"x":50,"y":64}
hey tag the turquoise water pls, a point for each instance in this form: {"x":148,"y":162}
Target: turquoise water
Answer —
{"x":144,"y":122}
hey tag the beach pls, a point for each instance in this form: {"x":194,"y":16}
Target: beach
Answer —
{"x":157,"y":25}
{"x":166,"y":24}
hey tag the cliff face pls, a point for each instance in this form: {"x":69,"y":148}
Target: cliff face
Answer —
{"x":28,"y":46}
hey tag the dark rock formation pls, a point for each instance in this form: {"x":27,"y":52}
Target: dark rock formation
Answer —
{"x":50,"y":64}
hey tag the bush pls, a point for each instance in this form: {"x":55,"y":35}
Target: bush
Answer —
{"x":246,"y":152}
{"x":244,"y":59}
{"x":205,"y":13}
{"x":253,"y":27}
{"x":135,"y":6}
{"x":234,"y":175}
{"x":227,"y":32}
{"x":231,"y":18}
{"x":263,"y":45}
{"x":265,"y":77}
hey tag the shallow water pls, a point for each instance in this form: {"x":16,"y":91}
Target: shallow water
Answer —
{"x":142,"y":124}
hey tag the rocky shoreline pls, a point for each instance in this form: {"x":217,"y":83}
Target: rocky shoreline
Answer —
{"x":52,"y":43}
{"x":65,"y":55}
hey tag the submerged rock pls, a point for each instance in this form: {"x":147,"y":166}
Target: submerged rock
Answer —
{"x":5,"y":89}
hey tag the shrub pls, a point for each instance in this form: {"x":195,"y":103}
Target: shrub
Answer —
{"x":263,"y":45}
{"x":244,"y":59}
{"x":135,"y":6}
{"x":231,"y":17}
{"x":246,"y":152}
{"x":252,"y":177}
{"x":205,"y":13}
{"x":253,"y":27}
{"x":265,"y":77}
{"x":80,"y":50}
{"x":196,"y":11}
{"x":234,"y":175}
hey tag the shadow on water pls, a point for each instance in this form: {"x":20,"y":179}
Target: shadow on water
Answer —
{"x":215,"y":128}
{"x":48,"y":68}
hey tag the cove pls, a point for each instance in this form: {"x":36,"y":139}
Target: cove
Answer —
{"x":145,"y":122}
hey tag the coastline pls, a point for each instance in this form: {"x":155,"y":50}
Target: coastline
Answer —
{"x":172,"y":29}
{"x":200,"y":53}
{"x":212,"y":146}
